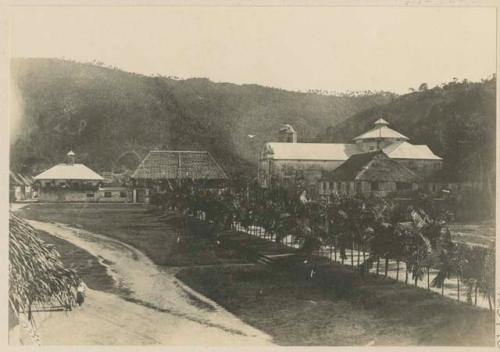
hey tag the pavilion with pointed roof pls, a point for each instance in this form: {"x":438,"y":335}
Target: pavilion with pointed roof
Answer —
{"x":68,"y":181}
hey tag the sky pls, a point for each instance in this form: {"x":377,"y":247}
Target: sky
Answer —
{"x":327,"y":48}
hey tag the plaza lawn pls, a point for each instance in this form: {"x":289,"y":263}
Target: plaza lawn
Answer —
{"x":482,"y":234}
{"x":163,"y":238}
{"x":298,"y":310}
{"x":87,"y":267}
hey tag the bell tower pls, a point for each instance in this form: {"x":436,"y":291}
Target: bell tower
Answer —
{"x":287,"y":134}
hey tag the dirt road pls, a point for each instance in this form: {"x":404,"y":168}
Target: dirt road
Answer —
{"x":158,"y":310}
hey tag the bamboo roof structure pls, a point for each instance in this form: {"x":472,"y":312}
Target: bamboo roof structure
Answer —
{"x":37,"y":276}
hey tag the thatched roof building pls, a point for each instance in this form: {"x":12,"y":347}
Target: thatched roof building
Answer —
{"x":178,"y":165}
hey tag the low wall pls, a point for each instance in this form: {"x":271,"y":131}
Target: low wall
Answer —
{"x":67,"y":196}
{"x":100,"y":196}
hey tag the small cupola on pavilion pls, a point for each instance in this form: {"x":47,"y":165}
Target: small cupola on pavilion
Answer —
{"x":379,"y":137}
{"x":70,"y":158}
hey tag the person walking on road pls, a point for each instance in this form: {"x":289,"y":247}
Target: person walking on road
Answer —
{"x":80,"y":293}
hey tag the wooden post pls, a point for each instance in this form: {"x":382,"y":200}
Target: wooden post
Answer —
{"x":386,"y":265}
{"x":428,"y":283}
{"x":475,"y":295}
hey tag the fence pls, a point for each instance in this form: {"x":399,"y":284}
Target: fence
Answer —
{"x":356,"y":258}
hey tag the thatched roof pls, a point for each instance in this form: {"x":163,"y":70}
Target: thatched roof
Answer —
{"x":372,"y":167}
{"x":19,"y":179}
{"x":171,"y":165}
{"x":37,"y":277}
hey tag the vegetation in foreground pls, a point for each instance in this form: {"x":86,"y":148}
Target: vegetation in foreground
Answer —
{"x":37,"y":277}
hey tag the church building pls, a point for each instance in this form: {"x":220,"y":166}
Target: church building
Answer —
{"x":289,"y":162}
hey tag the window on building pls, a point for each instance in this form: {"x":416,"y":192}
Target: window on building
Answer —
{"x":90,"y":195}
{"x":403,"y":186}
{"x":123,"y":194}
{"x":374,"y":186}
{"x":107,"y":194}
{"x":371,"y":148}
{"x":287,"y":170}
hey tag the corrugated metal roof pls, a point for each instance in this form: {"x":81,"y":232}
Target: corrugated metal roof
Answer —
{"x":166,"y":164}
{"x":381,"y":131}
{"x":69,"y":172}
{"x":311,"y":151}
{"x":405,"y":150}
{"x":374,"y":166}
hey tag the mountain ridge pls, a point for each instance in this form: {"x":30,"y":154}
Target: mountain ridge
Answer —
{"x":112,"y":118}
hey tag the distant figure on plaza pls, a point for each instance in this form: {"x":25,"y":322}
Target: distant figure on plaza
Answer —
{"x":80,"y":293}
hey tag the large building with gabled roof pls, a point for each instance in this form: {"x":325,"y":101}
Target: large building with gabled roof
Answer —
{"x":290,"y":162}
{"x":161,"y":168}
{"x":179,"y":165}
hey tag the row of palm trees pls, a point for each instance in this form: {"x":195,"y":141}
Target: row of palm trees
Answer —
{"x":378,"y":230}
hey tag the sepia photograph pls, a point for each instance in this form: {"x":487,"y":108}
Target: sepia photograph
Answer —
{"x":251,"y":176}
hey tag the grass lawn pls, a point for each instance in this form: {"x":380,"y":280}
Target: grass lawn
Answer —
{"x":86,"y":266}
{"x":482,"y":234}
{"x":162,"y":238}
{"x":298,"y":310}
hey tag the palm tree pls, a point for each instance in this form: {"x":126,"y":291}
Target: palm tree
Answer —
{"x":486,"y":284}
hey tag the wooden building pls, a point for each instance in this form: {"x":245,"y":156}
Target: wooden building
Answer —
{"x":161,"y":167}
{"x":21,"y":187}
{"x":444,"y":180}
{"x":368,"y":173}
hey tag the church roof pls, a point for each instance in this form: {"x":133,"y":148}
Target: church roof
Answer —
{"x":311,"y":151}
{"x":373,"y":166}
{"x":169,"y":164}
{"x":381,"y":131}
{"x":69,"y":172}
{"x":381,"y":122}
{"x":405,"y":150}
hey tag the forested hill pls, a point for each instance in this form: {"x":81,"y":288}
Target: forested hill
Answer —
{"x":457,"y":120}
{"x":111,"y":117}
